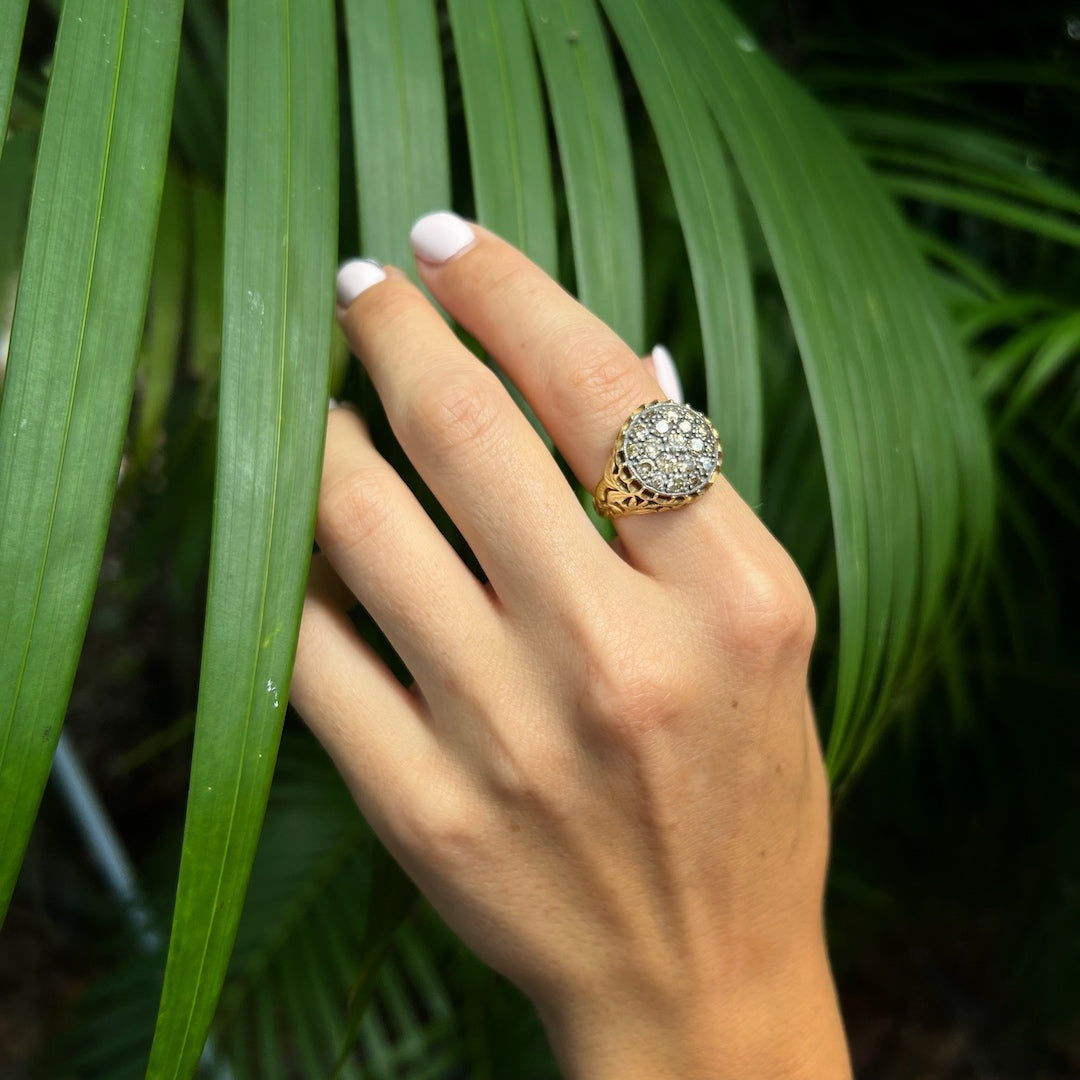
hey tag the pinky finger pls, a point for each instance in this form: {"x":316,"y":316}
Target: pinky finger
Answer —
{"x":660,"y":364}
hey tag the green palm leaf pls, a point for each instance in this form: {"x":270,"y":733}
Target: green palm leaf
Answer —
{"x":594,"y":152}
{"x":507,"y":131}
{"x":12,"y":19}
{"x":504,"y":114}
{"x":985,"y":204}
{"x":206,"y":287}
{"x":199,"y":117}
{"x":1060,"y":350}
{"x":280,"y":238}
{"x":966,"y":279}
{"x":971,"y":156}
{"x":71,"y":367}
{"x":16,"y":178}
{"x":166,"y":311}
{"x":399,"y":121}
{"x":1000,"y":369}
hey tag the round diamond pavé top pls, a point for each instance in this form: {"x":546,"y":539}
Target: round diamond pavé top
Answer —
{"x":671,"y":449}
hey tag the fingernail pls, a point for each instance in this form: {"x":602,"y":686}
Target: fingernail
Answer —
{"x":355,"y":276}
{"x":666,"y":374}
{"x":438,"y":237}
{"x":332,"y":403}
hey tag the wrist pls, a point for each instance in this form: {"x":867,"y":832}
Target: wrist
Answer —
{"x":784,"y":1026}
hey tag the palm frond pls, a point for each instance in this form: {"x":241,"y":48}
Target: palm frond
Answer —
{"x":399,"y":122}
{"x":12,"y":20}
{"x":165,"y":317}
{"x":280,"y":238}
{"x":16,"y":178}
{"x":594,"y":156}
{"x":71,"y":367}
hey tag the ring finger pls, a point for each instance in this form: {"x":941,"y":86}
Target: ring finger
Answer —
{"x":582,"y":380}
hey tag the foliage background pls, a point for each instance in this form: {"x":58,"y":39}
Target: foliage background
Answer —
{"x":955,"y":887}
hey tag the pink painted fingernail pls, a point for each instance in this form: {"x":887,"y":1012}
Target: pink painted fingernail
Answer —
{"x":667,"y":375}
{"x":355,"y":276}
{"x":439,"y":237}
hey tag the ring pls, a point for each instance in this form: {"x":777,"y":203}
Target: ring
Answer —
{"x":665,"y":456}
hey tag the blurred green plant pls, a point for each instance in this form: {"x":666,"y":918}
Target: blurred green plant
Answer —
{"x":870,"y":371}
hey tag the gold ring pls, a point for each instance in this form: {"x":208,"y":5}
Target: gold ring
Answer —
{"x":665,"y":456}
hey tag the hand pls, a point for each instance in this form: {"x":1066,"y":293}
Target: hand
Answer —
{"x":606,"y":777}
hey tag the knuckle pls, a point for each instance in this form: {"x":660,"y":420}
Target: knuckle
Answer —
{"x":639,"y":704}
{"x":354,"y":507}
{"x":440,"y":822}
{"x":600,"y":373}
{"x":396,"y":301}
{"x":633,"y":687}
{"x":774,"y":614}
{"x":533,"y":773}
{"x":456,"y":412}
{"x":498,"y":276}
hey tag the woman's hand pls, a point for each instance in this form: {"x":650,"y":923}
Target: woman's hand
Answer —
{"x":606,"y":778}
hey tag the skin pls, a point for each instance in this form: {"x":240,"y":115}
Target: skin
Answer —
{"x":606,"y":777}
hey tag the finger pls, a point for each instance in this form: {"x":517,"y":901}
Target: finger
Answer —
{"x":582,"y":380}
{"x":471,"y":444}
{"x":388,"y":552}
{"x":371,"y":726}
{"x":660,"y":364}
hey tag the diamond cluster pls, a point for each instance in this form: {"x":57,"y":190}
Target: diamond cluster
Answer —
{"x":671,"y":449}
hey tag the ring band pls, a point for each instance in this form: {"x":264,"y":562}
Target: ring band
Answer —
{"x":665,"y":456}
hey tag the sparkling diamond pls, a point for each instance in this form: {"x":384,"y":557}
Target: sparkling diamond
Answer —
{"x":671,"y":449}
